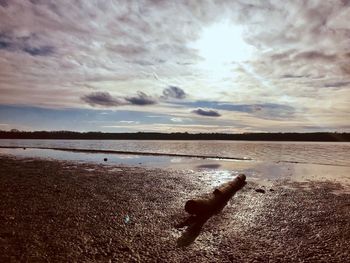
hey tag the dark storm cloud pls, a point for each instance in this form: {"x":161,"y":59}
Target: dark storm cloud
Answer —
{"x":336,"y":84}
{"x":27,"y":44}
{"x":208,"y":113}
{"x":4,"y":3}
{"x":106,"y":99}
{"x":5,"y":41}
{"x":291,"y":76}
{"x":101,"y":99}
{"x":141,"y":99}
{"x":4,"y":44}
{"x":174,"y":92}
{"x":39,"y":51}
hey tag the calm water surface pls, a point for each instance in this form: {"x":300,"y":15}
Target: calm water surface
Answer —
{"x":327,"y":153}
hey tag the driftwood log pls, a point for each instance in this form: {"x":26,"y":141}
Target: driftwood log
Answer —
{"x":217,"y":200}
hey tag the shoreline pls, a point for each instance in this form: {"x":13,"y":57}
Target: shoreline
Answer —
{"x":159,"y":154}
{"x":259,"y":171}
{"x":69,"y":211}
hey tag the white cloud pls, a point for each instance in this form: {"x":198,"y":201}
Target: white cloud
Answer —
{"x":177,"y":119}
{"x":130,"y":122}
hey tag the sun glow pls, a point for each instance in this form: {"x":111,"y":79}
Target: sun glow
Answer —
{"x":220,"y":45}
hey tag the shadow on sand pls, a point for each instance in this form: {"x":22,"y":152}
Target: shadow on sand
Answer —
{"x":194,"y":225}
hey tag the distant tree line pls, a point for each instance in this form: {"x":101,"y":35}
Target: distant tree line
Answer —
{"x":315,"y":136}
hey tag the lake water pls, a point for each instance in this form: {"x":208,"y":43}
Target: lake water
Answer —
{"x":262,"y":161}
{"x":327,"y":153}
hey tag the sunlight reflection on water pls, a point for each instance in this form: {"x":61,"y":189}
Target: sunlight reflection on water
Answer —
{"x":217,"y":171}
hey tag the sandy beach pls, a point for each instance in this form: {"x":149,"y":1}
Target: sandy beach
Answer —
{"x":60,"y":211}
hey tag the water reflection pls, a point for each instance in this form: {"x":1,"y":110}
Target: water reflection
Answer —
{"x":216,"y":170}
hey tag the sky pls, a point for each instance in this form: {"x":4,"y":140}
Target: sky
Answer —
{"x":175,"y":66}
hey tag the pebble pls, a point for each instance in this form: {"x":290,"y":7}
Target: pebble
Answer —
{"x":259,"y":190}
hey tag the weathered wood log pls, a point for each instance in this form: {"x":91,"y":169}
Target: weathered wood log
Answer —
{"x":218,"y":199}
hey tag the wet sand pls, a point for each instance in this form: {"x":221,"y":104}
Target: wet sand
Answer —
{"x":61,"y":211}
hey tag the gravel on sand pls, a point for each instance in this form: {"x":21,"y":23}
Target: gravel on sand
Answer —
{"x":60,"y":211}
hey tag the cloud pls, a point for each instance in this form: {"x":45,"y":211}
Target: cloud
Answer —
{"x":177,"y":119}
{"x":101,"y":99}
{"x":174,"y":92}
{"x":291,"y":76}
{"x":129,"y":122}
{"x":28,"y":44}
{"x":208,"y":113}
{"x":4,"y":44}
{"x":39,"y":51}
{"x":336,"y":84}
{"x":263,"y":110}
{"x":316,"y":55}
{"x":106,"y":99}
{"x":5,"y":41}
{"x":141,"y":99}
{"x":48,"y":59}
{"x":4,"y":3}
